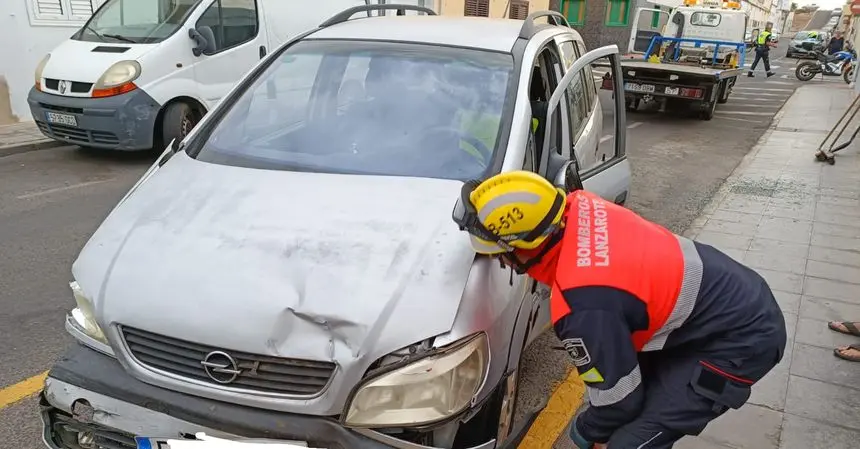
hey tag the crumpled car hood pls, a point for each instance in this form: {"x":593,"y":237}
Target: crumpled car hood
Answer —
{"x":325,"y":267}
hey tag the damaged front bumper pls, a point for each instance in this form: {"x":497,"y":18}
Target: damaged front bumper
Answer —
{"x":87,"y":392}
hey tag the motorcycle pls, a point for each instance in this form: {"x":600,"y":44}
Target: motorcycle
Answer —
{"x":837,"y":64}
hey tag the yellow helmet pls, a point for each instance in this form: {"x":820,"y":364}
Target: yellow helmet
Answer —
{"x":509,"y":211}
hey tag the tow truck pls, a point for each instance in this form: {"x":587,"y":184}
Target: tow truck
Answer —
{"x":685,"y":59}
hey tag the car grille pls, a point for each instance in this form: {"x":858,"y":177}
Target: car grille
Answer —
{"x":292,"y":377}
{"x":78,"y":135}
{"x":65,"y":428}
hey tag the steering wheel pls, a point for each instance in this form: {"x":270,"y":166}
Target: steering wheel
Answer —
{"x":484,"y":154}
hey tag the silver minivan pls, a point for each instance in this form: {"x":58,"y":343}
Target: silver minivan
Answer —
{"x":290,"y":270}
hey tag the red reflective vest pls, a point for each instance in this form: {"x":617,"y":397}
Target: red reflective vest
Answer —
{"x":608,"y":245}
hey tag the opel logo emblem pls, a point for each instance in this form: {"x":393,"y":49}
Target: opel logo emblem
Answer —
{"x":220,"y":367}
{"x":63,"y":86}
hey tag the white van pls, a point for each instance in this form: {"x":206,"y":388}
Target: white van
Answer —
{"x":141,"y":73}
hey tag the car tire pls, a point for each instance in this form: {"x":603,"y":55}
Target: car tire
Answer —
{"x":178,"y":120}
{"x":725,"y":91}
{"x":708,"y":112}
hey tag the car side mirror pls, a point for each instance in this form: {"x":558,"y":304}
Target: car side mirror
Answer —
{"x":204,"y":40}
{"x":567,"y":177}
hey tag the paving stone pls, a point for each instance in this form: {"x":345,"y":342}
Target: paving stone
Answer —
{"x":831,"y":241}
{"x":698,"y":443}
{"x":823,"y":401}
{"x":778,"y":280}
{"x":802,"y":433}
{"x":730,"y":227}
{"x":815,"y":332}
{"x":774,"y":260}
{"x":721,"y":240}
{"x":828,"y":310}
{"x":829,"y":215}
{"x":785,"y":229}
{"x":844,"y":206}
{"x":850,"y":231}
{"x":751,"y":426}
{"x":799,"y":212}
{"x":788,"y":302}
{"x":735,"y":202}
{"x":818,"y":363}
{"x":770,"y":390}
{"x":833,"y":255}
{"x":825,"y":288}
{"x":784,"y":249}
{"x":736,"y":217}
{"x":836,"y":272}
{"x":841,"y":193}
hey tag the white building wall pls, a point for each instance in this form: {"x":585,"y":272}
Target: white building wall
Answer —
{"x":27,"y":36}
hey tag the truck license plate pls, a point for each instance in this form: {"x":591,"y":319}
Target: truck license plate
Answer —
{"x":636,"y":87}
{"x":672,"y":90}
{"x":62,"y":119}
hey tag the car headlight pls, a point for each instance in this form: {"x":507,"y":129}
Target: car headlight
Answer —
{"x":83,"y":315}
{"x":424,"y":391}
{"x":39,"y":69}
{"x":117,"y":79}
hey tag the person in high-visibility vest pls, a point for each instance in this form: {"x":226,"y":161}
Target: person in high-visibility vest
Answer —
{"x":762,"y":51}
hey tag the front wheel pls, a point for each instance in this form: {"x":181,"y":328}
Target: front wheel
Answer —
{"x":179,"y":119}
{"x":805,"y":71}
{"x":848,"y":74}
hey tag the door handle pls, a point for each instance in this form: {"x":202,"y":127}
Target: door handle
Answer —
{"x":262,"y":51}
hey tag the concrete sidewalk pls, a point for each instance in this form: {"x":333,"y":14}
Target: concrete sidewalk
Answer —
{"x":797,"y":222}
{"x":23,"y":137}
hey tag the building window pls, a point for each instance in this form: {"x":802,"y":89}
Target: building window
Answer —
{"x":574,"y":11}
{"x":617,"y":13}
{"x":479,"y":8}
{"x":519,"y":9}
{"x":61,"y":12}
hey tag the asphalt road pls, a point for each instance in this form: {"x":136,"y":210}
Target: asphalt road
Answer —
{"x":52,"y":200}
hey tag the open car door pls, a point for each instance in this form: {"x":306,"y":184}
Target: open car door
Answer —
{"x":647,"y":23}
{"x":609,"y":175}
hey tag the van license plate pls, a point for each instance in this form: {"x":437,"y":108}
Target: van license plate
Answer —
{"x":62,"y":119}
{"x":636,"y":87}
{"x":672,"y":90}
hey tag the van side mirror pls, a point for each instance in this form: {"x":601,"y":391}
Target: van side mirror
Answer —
{"x":567,"y":177}
{"x":204,"y":40}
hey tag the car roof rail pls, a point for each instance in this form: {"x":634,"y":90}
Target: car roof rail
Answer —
{"x":346,"y":14}
{"x":529,"y":27}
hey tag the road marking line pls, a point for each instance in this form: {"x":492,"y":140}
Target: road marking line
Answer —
{"x":61,"y":189}
{"x":559,"y":411}
{"x":634,"y":125}
{"x":758,"y":94}
{"x":743,"y":112}
{"x":740,"y":119}
{"x":605,"y":138}
{"x":608,"y":137}
{"x":22,"y":390}
{"x":762,"y":89}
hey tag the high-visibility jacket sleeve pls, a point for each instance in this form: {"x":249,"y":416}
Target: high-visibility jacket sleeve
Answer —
{"x":597,"y":334}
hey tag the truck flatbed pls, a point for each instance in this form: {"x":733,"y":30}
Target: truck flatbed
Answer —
{"x":716,"y":73}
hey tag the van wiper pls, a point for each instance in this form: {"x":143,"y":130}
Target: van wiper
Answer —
{"x":98,"y":35}
{"x":120,"y":37}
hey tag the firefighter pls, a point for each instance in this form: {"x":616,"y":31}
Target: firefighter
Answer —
{"x":667,"y":334}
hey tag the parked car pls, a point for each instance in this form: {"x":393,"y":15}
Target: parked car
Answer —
{"x":804,"y":45}
{"x":290,"y":269}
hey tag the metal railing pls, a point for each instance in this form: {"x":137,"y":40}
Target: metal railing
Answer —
{"x":657,"y":42}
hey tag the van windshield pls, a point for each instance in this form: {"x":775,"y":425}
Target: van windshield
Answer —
{"x":374,"y":108}
{"x":136,"y":21}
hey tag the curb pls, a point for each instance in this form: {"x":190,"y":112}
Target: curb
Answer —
{"x":9,"y":150}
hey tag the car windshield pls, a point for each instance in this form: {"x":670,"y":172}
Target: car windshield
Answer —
{"x":367,"y":108}
{"x":136,"y":21}
{"x":804,"y":35}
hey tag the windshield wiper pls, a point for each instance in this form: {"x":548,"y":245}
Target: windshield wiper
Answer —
{"x":120,"y":37}
{"x":98,"y":35}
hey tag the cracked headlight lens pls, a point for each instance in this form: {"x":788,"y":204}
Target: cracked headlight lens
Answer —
{"x":424,"y":391}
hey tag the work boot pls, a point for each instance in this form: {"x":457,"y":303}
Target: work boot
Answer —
{"x":770,"y":74}
{"x":750,"y":74}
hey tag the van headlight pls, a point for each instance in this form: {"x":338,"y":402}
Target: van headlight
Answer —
{"x":83,"y":316}
{"x":424,"y":391}
{"x":117,"y":79}
{"x":39,"y":69}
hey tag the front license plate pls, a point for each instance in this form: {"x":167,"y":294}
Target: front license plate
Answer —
{"x":672,"y":90}
{"x":161,"y":443}
{"x":636,"y":87}
{"x":61,"y":119}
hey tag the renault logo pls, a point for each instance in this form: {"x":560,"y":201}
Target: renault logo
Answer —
{"x":63,"y":86}
{"x":220,"y":367}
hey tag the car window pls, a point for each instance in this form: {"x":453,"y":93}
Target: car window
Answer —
{"x":369,"y":108}
{"x":233,"y":22}
{"x":578,"y":98}
{"x":589,"y":75}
